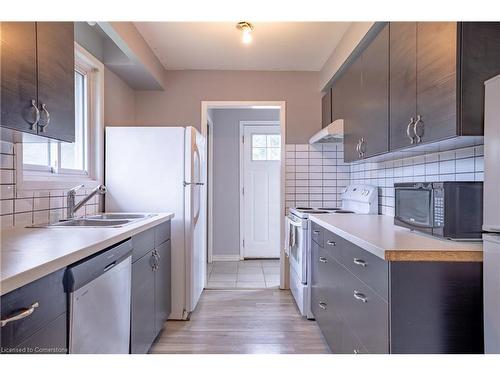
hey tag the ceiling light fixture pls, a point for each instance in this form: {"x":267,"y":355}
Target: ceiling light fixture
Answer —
{"x":246,"y":28}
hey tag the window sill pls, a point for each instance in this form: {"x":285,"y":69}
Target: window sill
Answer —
{"x":54,"y":182}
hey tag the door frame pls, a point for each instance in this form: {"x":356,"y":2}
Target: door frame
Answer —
{"x":230,"y":104}
{"x":244,"y":123}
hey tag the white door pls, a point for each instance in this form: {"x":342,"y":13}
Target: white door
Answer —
{"x":261,"y":192}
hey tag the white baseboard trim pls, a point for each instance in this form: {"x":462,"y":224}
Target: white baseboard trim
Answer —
{"x":225,"y":258}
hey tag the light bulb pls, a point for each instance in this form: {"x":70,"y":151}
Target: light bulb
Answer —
{"x":247,"y":36}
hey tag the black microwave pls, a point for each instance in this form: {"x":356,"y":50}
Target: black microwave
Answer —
{"x":450,"y":209}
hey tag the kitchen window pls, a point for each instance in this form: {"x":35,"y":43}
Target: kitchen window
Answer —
{"x":266,"y":147}
{"x":46,"y":163}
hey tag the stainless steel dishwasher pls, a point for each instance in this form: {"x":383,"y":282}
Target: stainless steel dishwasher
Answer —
{"x":99,"y":290}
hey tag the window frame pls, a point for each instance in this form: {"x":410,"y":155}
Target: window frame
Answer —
{"x":31,"y":176}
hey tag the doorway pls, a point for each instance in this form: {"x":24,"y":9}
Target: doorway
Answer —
{"x":259,"y":185}
{"x":260,"y":163}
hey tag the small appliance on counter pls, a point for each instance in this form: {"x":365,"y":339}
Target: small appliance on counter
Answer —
{"x":451,"y":209}
{"x":356,"y":199}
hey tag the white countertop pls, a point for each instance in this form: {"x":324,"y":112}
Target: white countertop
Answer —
{"x":28,"y":254}
{"x":378,"y":235}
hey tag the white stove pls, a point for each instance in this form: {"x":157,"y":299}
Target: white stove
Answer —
{"x":356,"y":199}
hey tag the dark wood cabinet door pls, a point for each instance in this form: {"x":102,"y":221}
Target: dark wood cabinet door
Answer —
{"x":403,"y":81}
{"x":436,"y":80}
{"x":374,"y":101}
{"x":351,"y":90}
{"x":56,"y":79}
{"x":142,"y":325}
{"x":326,"y":108}
{"x":163,"y":285}
{"x":18,"y":83}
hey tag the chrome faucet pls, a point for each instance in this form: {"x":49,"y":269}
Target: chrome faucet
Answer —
{"x":70,"y":199}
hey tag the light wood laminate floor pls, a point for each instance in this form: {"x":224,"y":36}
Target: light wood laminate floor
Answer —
{"x":242,"y":321}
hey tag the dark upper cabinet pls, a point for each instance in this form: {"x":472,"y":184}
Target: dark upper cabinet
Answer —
{"x":366,"y":112}
{"x":374,"y":114}
{"x":351,"y":88}
{"x":437,"y":72}
{"x":18,"y":76}
{"x":436,"y":81}
{"x":56,"y":80}
{"x":37,"y":80}
{"x":423,"y":82}
{"x":326,"y":108}
{"x":403,"y":82}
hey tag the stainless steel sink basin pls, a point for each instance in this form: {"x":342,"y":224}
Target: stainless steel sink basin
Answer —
{"x":90,"y":223}
{"x":119,"y":216}
{"x":111,"y":220}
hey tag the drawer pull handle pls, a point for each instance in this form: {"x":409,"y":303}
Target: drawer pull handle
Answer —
{"x":331,"y":243}
{"x":323,"y":260}
{"x":322,"y":305}
{"x":360,"y":296}
{"x":23,"y":314}
{"x":316,"y":231}
{"x":359,"y":262}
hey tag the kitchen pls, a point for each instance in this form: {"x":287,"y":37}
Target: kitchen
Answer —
{"x":210,"y":188}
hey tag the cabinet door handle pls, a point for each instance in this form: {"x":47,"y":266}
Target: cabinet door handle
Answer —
{"x":323,"y":260}
{"x":362,"y":148}
{"x":408,"y":130}
{"x":322,"y":305}
{"x":316,"y":231}
{"x":359,"y":262}
{"x":331,"y":243}
{"x":360,"y":296}
{"x":153,"y":261}
{"x":419,"y":124}
{"x":37,"y":114}
{"x":23,"y":314}
{"x":47,"y":118}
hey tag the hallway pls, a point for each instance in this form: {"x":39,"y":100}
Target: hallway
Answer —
{"x":242,"y":322}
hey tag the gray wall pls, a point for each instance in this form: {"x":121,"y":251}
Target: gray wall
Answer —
{"x":226,"y":198}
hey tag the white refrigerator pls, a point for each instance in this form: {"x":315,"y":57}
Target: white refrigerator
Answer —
{"x":163,"y":169}
{"x":491,"y":216}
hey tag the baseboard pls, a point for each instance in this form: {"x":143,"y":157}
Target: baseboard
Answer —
{"x":225,"y":258}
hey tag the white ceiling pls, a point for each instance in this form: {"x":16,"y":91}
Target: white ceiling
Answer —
{"x":295,"y":46}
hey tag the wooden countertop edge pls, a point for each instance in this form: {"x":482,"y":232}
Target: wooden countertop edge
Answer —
{"x":433,"y":256}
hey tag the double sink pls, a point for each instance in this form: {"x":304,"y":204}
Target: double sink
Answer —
{"x":106,"y":220}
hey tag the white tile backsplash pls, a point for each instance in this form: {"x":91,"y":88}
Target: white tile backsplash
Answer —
{"x":315,"y":175}
{"x":458,"y":165}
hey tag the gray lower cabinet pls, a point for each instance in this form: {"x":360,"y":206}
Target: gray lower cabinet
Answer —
{"x":43,"y":329}
{"x":364,"y":304}
{"x":151,"y":286}
{"x":162,"y":285}
{"x":142,"y":327}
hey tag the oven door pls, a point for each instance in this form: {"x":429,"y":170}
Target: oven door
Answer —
{"x":295,"y":247}
{"x":414,"y":208}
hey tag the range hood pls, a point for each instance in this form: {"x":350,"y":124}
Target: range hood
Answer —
{"x":329,"y":134}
